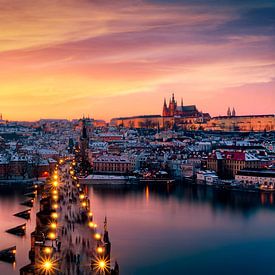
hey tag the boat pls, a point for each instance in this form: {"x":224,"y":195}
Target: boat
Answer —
{"x":18,"y":230}
{"x":28,"y":203}
{"x":107,"y":179}
{"x":24,"y":214}
{"x":8,"y":254}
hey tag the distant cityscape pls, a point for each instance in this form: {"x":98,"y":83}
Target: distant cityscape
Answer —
{"x":182,"y":143}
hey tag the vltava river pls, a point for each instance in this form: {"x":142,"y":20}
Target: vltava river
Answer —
{"x":170,"y":229}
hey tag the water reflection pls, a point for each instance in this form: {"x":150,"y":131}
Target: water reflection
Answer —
{"x":245,"y":203}
{"x":168,"y":229}
{"x":187,"y":229}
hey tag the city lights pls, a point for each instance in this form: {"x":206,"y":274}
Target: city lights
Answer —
{"x":47,"y":266}
{"x":100,"y":249}
{"x":53,"y":225}
{"x":97,"y":236}
{"x":54,"y":215}
{"x":101,"y":264}
{"x":47,"y":250}
{"x":52,"y":236}
{"x":92,"y":225}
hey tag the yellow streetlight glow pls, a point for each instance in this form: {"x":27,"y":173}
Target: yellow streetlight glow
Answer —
{"x":54,"y":215}
{"x":55,"y":183}
{"x":55,"y":197}
{"x":90,"y":214}
{"x":14,"y":251}
{"x":97,"y":236}
{"x":78,"y":185}
{"x":100,"y":249}
{"x":84,"y":204}
{"x":101,"y":265}
{"x":92,"y":225}
{"x":55,"y":192}
{"x":47,"y":265}
{"x":47,"y":250}
{"x":53,"y":225}
{"x":52,"y":236}
{"x":81,"y":196}
{"x":55,"y":177}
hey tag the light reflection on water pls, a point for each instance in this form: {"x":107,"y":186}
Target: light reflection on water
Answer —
{"x":10,"y":200}
{"x":169,"y":229}
{"x":176,"y":229}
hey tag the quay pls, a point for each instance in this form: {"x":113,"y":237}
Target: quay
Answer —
{"x":66,"y":239}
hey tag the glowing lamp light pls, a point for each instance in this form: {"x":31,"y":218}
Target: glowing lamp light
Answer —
{"x":78,"y":185}
{"x":47,"y":265}
{"x":55,"y":192}
{"x":55,"y":197}
{"x":54,"y":215}
{"x":71,"y":172}
{"x":84,"y":204}
{"x":97,"y":236}
{"x":81,"y":196}
{"x":92,"y":225}
{"x":53,"y":225}
{"x":90,"y":214}
{"x":100,"y":250}
{"x":102,"y":265}
{"x":55,"y":183}
{"x":14,"y":251}
{"x":55,"y":177}
{"x":52,"y":236}
{"x":55,"y":206}
{"x":47,"y":250}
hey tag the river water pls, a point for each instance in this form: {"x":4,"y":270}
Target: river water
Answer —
{"x":170,"y":229}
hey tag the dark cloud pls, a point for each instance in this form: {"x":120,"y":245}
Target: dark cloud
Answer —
{"x":256,"y":21}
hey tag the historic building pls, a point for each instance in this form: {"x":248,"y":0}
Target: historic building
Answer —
{"x":228,"y":163}
{"x":257,"y":123}
{"x":173,"y":109}
{"x":188,"y":117}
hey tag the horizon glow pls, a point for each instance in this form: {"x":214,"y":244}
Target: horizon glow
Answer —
{"x":66,"y":58}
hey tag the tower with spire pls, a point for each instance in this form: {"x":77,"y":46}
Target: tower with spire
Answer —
{"x":228,"y":112}
{"x":165,"y":111}
{"x":84,"y":146}
{"x":233,"y":112}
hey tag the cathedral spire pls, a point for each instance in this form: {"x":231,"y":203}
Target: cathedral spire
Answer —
{"x":164,"y":103}
{"x":228,"y":112}
{"x":233,"y":112}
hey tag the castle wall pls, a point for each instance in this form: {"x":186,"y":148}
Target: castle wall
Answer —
{"x":242,"y":123}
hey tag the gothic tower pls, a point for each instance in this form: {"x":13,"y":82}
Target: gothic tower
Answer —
{"x":228,"y":112}
{"x":165,"y":111}
{"x":233,"y":112}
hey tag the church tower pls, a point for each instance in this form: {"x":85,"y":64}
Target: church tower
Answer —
{"x":228,"y":112}
{"x":84,"y":146}
{"x":172,"y":106}
{"x":233,"y":112}
{"x":165,"y":111}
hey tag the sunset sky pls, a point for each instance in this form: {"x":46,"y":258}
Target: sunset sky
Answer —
{"x":66,"y":58}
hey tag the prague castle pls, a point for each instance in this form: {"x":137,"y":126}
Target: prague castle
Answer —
{"x":189,"y":118}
